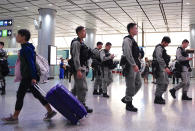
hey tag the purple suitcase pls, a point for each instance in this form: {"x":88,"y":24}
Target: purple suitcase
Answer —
{"x":67,"y":104}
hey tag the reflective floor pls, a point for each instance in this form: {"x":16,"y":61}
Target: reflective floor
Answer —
{"x":109,"y":114}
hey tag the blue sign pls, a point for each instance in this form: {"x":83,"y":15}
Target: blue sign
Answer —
{"x":1,"y":23}
{"x":6,"y":23}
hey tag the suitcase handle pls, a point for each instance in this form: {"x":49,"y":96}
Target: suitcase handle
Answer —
{"x":40,"y":90}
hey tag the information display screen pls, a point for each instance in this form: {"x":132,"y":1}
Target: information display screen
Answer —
{"x":52,"y":53}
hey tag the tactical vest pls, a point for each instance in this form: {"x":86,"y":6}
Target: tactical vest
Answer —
{"x":165,"y":56}
{"x":107,"y":62}
{"x":184,"y":54}
{"x":85,"y":52}
{"x":94,"y":57}
{"x":135,"y":51}
{"x":96,"y":61}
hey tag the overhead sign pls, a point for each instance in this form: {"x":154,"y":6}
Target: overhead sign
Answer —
{"x":4,"y":23}
{"x":5,"y":33}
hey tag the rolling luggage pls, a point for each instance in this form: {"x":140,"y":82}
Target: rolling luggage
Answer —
{"x":64,"y":101}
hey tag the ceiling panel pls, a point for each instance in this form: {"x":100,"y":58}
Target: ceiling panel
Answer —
{"x":106,"y":16}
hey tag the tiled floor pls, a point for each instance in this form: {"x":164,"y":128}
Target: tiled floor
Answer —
{"x":109,"y":114}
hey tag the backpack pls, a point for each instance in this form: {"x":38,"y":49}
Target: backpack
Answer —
{"x":42,"y":67}
{"x":4,"y":66}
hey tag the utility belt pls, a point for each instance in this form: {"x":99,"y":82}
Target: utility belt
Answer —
{"x":126,"y":66}
{"x":71,"y":64}
{"x":96,"y":63}
{"x":185,"y":63}
{"x":110,"y":64}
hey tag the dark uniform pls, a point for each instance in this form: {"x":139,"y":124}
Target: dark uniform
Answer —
{"x":3,"y":57}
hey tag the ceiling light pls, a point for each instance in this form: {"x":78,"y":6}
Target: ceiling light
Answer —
{"x":18,"y":26}
{"x":187,"y":3}
{"x":26,"y":8}
{"x":50,"y":4}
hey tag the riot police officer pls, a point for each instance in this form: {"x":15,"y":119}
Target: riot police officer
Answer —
{"x":96,"y":65}
{"x":80,"y":56}
{"x":162,"y":59}
{"x":183,"y":58}
{"x":131,"y":67}
{"x":106,"y":74}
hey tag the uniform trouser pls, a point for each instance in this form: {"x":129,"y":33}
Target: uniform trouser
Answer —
{"x":98,"y":82}
{"x":66,"y":74}
{"x":162,"y":83}
{"x":107,"y":79}
{"x":185,"y":82}
{"x":3,"y":84}
{"x":133,"y":84}
{"x":24,"y":85}
{"x":80,"y":87}
{"x":177,"y":79}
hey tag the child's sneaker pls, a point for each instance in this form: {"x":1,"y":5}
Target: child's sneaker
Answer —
{"x":48,"y":115}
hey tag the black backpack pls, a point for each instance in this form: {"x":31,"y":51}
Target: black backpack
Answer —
{"x":4,"y":67}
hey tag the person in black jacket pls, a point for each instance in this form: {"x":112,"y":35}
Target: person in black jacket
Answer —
{"x":29,"y":78}
{"x":3,"y":58}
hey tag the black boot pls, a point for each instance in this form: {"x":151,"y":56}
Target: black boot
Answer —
{"x":123,"y":100}
{"x":172,"y":91}
{"x":130,"y":107}
{"x":185,"y":97}
{"x":106,"y":95}
{"x":3,"y":90}
{"x":28,"y":90}
{"x":89,"y":110}
{"x":159,"y":100}
{"x":95,"y":92}
{"x":100,"y":91}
